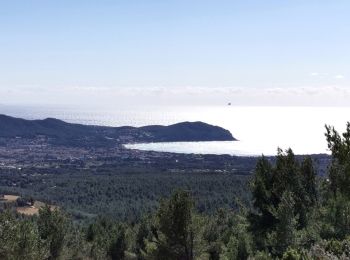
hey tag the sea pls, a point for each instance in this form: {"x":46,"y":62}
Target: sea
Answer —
{"x":259,"y":130}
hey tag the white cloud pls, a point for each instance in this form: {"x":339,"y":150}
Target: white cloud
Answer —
{"x":113,"y":97}
{"x":339,"y":76}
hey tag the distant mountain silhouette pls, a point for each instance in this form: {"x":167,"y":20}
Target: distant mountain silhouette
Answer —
{"x":63,"y":133}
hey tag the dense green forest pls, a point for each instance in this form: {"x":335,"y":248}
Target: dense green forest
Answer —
{"x":125,"y":195}
{"x":293,"y":214}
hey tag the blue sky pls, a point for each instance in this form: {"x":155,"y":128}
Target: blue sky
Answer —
{"x":52,"y":49}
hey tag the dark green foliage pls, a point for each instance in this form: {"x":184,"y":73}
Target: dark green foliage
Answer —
{"x":336,"y":218}
{"x":290,"y":217}
{"x":238,"y":247}
{"x":285,"y":234}
{"x":211,"y":236}
{"x":173,"y":235}
{"x":339,"y":172}
{"x":53,"y":228}
{"x":142,"y":234}
{"x":107,"y":239}
{"x":263,"y":197}
{"x":292,"y":254}
{"x":127,"y":195}
{"x":335,"y":247}
{"x":308,"y":191}
{"x":117,"y":245}
{"x":20,"y":239}
{"x":336,"y":213}
{"x":262,"y":255}
{"x":284,"y":190}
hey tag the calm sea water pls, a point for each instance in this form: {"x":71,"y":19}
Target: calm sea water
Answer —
{"x":260,"y":130}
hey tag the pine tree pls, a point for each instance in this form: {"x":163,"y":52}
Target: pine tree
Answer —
{"x":261,"y":219}
{"x":268,"y":186}
{"x":339,"y":172}
{"x":285,"y":234}
{"x":53,"y":226}
{"x":173,"y":233}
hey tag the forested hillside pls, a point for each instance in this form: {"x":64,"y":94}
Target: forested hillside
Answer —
{"x":58,"y":132}
{"x":294,"y":215}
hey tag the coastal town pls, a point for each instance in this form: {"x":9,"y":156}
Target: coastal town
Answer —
{"x":21,"y":153}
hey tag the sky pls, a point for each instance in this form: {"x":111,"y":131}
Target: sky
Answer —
{"x":247,"y":52}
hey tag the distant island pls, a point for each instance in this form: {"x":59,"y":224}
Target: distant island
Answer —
{"x":58,"y":132}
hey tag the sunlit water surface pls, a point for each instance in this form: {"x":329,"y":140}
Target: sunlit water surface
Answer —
{"x":260,"y":130}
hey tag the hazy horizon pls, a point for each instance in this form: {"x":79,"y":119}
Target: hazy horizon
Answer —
{"x":260,"y":130}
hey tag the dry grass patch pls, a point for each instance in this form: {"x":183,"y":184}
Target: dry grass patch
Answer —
{"x":26,"y":210}
{"x":33,"y":210}
{"x":29,"y":211}
{"x":10,"y":198}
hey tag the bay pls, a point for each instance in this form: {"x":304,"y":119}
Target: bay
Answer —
{"x":260,"y":130}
